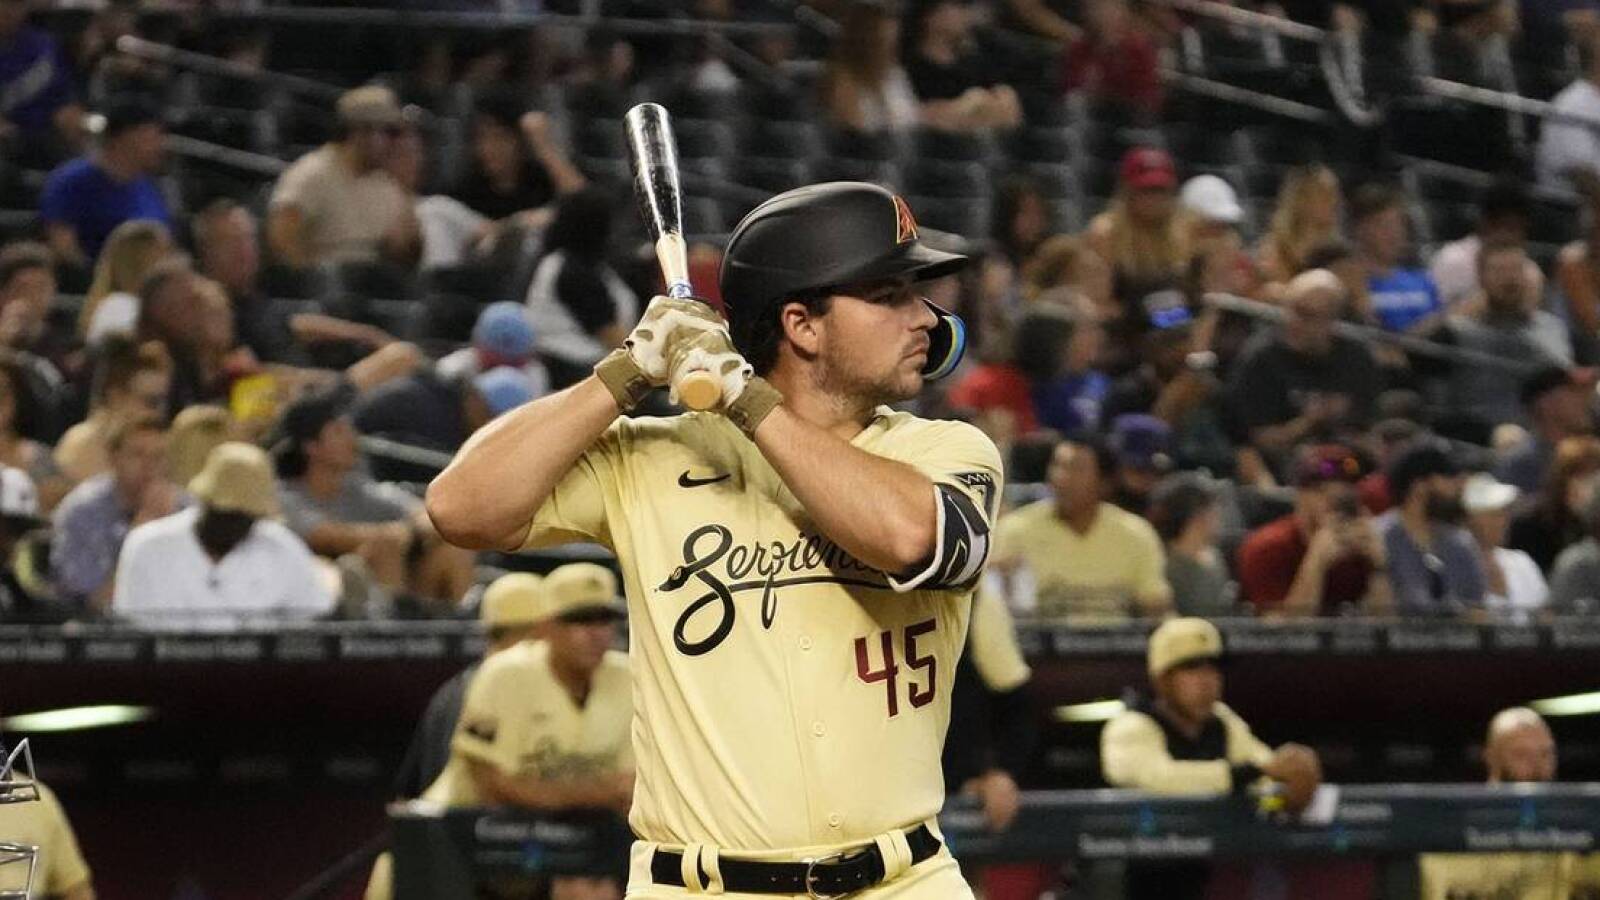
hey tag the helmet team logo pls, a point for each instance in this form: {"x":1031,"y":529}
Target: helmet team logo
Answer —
{"x":905,"y":227}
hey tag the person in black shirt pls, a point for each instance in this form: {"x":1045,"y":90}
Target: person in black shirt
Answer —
{"x":516,"y":163}
{"x":577,"y":303}
{"x":429,"y":411}
{"x":958,"y":88}
{"x":1302,"y":381}
{"x":229,"y":253}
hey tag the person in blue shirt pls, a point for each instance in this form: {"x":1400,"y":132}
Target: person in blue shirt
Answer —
{"x":86,"y":198}
{"x":39,"y":117}
{"x":1402,"y":298}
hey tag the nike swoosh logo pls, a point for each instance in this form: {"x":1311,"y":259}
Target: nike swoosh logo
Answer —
{"x":685,"y":481}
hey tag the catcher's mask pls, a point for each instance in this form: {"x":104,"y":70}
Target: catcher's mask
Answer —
{"x":17,"y":785}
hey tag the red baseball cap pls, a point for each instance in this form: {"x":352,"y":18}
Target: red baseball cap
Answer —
{"x":1148,"y":167}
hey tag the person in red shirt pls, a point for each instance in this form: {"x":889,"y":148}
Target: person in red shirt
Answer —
{"x":1115,"y":62}
{"x":1325,"y":557}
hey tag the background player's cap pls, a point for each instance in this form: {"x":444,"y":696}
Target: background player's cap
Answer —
{"x":1182,"y":641}
{"x":582,"y":591}
{"x":831,"y":235}
{"x":513,"y":600}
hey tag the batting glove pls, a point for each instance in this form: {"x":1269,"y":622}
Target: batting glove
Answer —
{"x":641,"y":363}
{"x":746,"y":397}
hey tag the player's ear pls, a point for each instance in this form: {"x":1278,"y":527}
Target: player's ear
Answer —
{"x":801,"y":327}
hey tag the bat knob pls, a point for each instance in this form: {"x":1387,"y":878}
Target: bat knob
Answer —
{"x":699,"y":391}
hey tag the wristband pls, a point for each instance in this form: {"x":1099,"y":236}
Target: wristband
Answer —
{"x":758,"y":399}
{"x":622,"y":376}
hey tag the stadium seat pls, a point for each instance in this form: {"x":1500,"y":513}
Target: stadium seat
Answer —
{"x":781,"y":139}
{"x":771,"y":175}
{"x":969,"y":217}
{"x":293,"y":284}
{"x":703,"y":139}
{"x":954,"y":146}
{"x":1554,"y":221}
{"x":946,"y":179}
{"x":1041,"y":145}
{"x":1198,"y":145}
{"x":372,"y":280}
{"x":251,"y":130}
{"x":18,"y":224}
{"x":1262,"y":181}
{"x":1452,"y":220}
{"x":601,"y":139}
{"x":300,"y":124}
{"x":703,"y":215}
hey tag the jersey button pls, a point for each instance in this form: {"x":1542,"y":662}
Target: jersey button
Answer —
{"x":834,"y":820}
{"x":818,"y":729}
{"x":805,"y":643}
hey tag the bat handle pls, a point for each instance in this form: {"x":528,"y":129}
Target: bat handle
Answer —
{"x":701,"y":390}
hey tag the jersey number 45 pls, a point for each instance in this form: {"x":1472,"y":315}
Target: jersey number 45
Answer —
{"x":920,"y":695}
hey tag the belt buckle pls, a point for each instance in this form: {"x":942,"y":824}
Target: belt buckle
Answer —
{"x":811,"y":874}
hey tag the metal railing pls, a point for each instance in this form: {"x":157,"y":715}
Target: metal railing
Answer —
{"x":492,"y":21}
{"x":1339,"y":59}
{"x":226,"y":68}
{"x":232,"y":157}
{"x":1372,"y":336}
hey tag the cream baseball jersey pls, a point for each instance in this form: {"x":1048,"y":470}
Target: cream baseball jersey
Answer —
{"x":43,"y":824}
{"x":788,"y":695}
{"x":518,"y":718}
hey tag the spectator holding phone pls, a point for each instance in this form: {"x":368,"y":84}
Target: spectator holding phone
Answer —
{"x":1325,"y":557}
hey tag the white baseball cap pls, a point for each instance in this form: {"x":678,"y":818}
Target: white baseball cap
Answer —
{"x":19,"y":499}
{"x":1212,"y":199}
{"x":1482,"y":493}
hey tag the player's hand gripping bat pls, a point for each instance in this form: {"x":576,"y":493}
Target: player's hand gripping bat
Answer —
{"x":654,"y":156}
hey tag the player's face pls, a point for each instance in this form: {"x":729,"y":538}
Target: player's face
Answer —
{"x":1192,"y":690}
{"x":1526,"y":754}
{"x":875,"y":343}
{"x":581,"y":646}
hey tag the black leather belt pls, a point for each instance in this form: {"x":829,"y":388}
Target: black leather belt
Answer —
{"x":837,"y":875}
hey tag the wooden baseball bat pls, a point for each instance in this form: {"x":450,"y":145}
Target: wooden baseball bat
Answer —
{"x":654,"y":155}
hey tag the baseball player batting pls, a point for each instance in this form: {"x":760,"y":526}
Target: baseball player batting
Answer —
{"x":798,"y":561}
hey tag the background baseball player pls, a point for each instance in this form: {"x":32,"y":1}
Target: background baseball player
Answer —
{"x":798,"y":563}
{"x":545,"y":724}
{"x":512,"y":610}
{"x":1183,"y":740}
{"x":60,"y":869}
{"x":993,"y":713}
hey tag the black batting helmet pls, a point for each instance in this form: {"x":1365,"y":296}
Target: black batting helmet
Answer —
{"x":827,"y":236}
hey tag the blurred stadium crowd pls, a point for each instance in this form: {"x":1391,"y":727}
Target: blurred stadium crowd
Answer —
{"x":1197,"y":295}
{"x":1247,"y":349}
